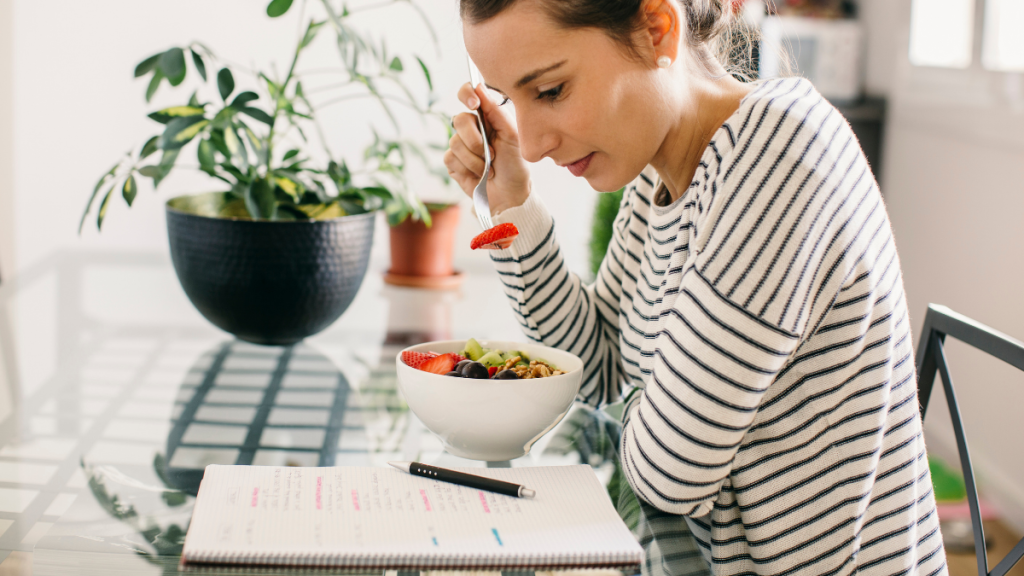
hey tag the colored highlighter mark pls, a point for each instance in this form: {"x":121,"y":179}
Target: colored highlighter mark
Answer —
{"x":319,"y":489}
{"x":496,"y":537}
{"x":435,"y":541}
{"x":255,"y":496}
{"x":483,"y":500}
{"x":426,"y":501}
{"x":355,"y":500}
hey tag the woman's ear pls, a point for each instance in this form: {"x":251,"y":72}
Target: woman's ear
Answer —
{"x":664,"y":27}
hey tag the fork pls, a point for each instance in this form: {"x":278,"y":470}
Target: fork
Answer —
{"x":480,"y":202}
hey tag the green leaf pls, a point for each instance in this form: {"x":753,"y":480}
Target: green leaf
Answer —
{"x":292,"y":212}
{"x":259,"y":115}
{"x":217,"y":137}
{"x":396,"y":64}
{"x":290,"y":154}
{"x":129,"y":190}
{"x":290,"y":187}
{"x":150,"y":171}
{"x":149,"y":147}
{"x":244,"y":98}
{"x":379,"y":191}
{"x":207,"y":162}
{"x":200,"y":65}
{"x":230,"y":169}
{"x":236,"y":148}
{"x":255,"y":143}
{"x":166,"y":165}
{"x":426,"y":73}
{"x":278,"y":8}
{"x":180,"y":130}
{"x":311,"y":31}
{"x":339,"y":173}
{"x":154,"y":83}
{"x":225,"y":83}
{"x":172,"y":64}
{"x":351,"y":207}
{"x":193,"y":100}
{"x":167,"y":114}
{"x":260,"y":200}
{"x":103,"y":180}
{"x":103,"y":207}
{"x":147,"y":65}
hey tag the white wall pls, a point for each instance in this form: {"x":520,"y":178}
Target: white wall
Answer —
{"x":78,"y":109}
{"x":6,"y":141}
{"x":954,"y":187}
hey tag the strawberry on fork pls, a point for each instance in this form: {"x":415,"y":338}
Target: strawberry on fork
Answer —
{"x":496,"y":238}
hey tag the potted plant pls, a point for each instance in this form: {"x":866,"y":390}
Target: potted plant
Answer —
{"x":278,"y":253}
{"x":422,"y":245}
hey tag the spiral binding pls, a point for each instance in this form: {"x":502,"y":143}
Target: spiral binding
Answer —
{"x":326,"y":560}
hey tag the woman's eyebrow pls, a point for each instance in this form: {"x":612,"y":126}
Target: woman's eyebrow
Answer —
{"x":530,"y":77}
{"x":536,"y":73}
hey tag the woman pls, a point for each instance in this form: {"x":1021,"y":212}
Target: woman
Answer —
{"x":750,"y":306}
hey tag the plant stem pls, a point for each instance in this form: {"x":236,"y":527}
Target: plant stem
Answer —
{"x":381,"y":97}
{"x":328,"y":87}
{"x":277,"y":101}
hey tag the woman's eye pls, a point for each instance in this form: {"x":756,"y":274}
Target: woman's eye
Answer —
{"x":506,"y":100}
{"x":551,"y":94}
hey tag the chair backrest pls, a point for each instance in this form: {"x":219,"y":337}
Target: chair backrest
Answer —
{"x":939,"y":323}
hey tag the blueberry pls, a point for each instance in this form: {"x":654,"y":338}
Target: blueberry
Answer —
{"x":454,"y":373}
{"x":476,"y":370}
{"x":507,"y":375}
{"x":461,"y":367}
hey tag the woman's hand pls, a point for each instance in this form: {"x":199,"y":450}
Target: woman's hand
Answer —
{"x":508,"y":184}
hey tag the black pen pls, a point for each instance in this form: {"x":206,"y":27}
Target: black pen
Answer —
{"x":463,"y":479}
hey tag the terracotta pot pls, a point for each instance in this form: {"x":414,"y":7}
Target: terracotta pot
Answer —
{"x":421,"y":252}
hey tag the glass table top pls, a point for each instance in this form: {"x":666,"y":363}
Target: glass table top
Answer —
{"x":115,"y":393}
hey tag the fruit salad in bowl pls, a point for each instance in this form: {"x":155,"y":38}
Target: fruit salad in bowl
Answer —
{"x":488,"y":400}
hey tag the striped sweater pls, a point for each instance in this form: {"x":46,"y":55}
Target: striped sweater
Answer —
{"x":759,"y":330}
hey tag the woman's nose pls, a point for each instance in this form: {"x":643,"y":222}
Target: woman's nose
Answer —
{"x":536,"y":140}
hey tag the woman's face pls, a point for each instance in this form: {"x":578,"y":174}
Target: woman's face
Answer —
{"x":579,"y":98}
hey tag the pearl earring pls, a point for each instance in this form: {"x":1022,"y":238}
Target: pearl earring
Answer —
{"x":664,"y":61}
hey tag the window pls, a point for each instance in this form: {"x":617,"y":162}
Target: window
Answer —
{"x":1002,"y":41}
{"x":941,"y":32}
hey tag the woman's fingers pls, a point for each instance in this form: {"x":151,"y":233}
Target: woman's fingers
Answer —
{"x":468,"y":130}
{"x":458,"y":171}
{"x":473,"y":161}
{"x":468,"y":96}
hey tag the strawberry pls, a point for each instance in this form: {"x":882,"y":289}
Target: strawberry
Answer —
{"x":414,"y":359}
{"x":491,"y":371}
{"x":442,"y":364}
{"x":499,"y":237}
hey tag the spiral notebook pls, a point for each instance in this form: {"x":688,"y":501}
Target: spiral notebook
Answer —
{"x":383,"y":519}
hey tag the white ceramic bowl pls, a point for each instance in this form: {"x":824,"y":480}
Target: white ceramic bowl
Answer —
{"x":490,"y":420}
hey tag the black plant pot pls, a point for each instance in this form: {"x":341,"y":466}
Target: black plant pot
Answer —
{"x":266,"y":282}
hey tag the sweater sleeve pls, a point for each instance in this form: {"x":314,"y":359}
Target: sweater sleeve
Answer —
{"x":776,"y":240}
{"x":553,"y":305}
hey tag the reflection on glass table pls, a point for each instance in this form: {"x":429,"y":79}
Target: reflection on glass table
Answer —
{"x":114,"y":394}
{"x":244,"y":404}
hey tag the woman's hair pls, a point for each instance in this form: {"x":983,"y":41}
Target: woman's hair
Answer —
{"x":714,"y":34}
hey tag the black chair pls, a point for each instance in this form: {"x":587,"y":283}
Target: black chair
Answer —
{"x":939,"y":323}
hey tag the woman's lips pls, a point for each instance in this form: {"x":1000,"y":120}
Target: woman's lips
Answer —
{"x":580,"y":166}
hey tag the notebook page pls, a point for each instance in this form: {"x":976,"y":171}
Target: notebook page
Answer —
{"x":358,"y":516}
